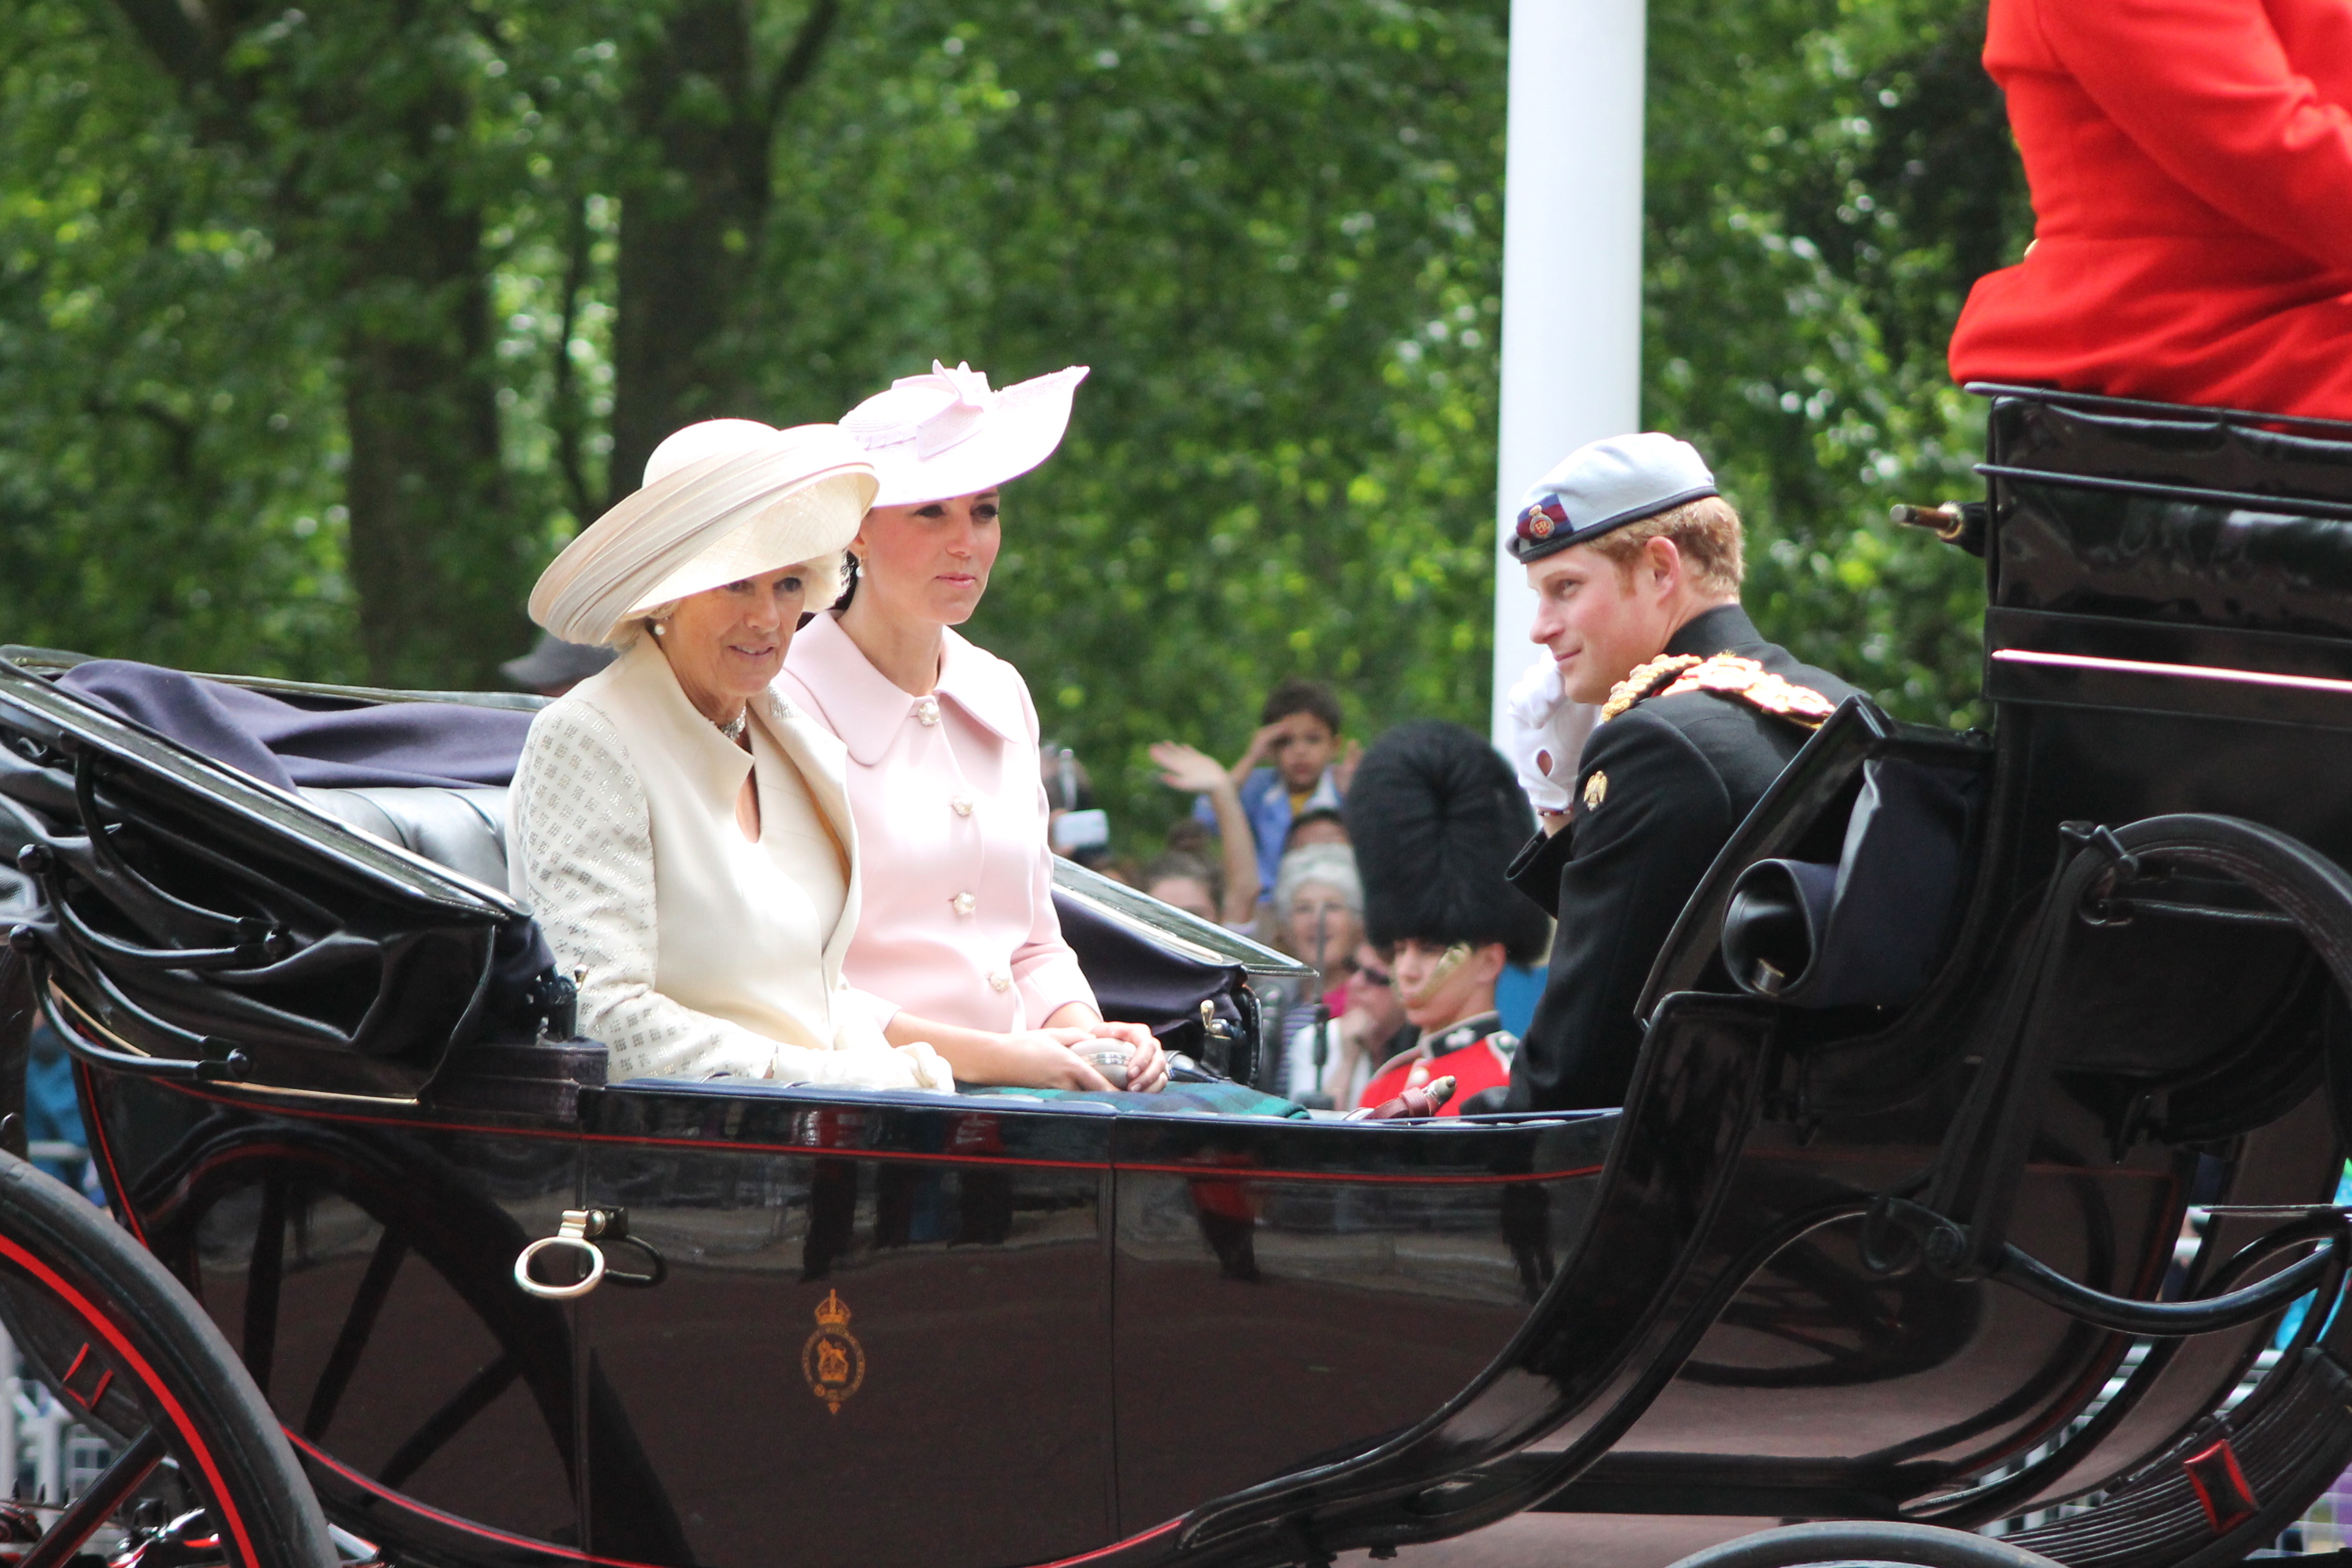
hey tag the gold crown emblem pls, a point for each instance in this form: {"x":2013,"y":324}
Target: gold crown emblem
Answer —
{"x":832,"y":1360}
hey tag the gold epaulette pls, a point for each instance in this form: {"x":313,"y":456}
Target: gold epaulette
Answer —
{"x":1645,"y":680}
{"x":1726,"y":676}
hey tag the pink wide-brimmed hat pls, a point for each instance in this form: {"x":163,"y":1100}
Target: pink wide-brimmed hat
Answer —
{"x":936,"y":436}
{"x":723,"y":500}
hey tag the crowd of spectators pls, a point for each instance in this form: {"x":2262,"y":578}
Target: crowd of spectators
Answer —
{"x":1264,"y":851}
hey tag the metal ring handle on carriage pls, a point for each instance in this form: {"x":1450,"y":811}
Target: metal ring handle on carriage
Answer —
{"x":577,"y":1223}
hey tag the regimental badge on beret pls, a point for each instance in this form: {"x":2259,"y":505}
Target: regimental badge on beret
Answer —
{"x":1596,"y":789}
{"x":1538,"y":521}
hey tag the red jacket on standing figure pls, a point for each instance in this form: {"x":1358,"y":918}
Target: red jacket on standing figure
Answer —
{"x":2191,"y":168}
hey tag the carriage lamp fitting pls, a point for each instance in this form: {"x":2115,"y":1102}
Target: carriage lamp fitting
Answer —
{"x":1959,"y":523}
{"x":1944,"y":520}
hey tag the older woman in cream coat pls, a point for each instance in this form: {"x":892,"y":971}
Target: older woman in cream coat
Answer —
{"x":683,"y":832}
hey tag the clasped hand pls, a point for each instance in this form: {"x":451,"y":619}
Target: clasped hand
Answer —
{"x":1051,"y":1056}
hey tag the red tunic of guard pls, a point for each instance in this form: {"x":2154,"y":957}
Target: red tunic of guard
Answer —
{"x":1476,"y":1054}
{"x":2191,"y":169}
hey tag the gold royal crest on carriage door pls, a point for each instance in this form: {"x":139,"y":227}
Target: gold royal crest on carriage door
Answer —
{"x":833,"y":1361}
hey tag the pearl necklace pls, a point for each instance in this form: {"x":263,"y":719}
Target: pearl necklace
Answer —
{"x":733,"y":728}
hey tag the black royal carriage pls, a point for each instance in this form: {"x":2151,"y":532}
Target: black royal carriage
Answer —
{"x":1859,"y":1248}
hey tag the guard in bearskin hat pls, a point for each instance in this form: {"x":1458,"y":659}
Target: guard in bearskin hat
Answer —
{"x":1435,"y":815}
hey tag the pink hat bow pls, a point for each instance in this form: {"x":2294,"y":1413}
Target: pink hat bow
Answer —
{"x":973,"y":403}
{"x":947,"y":432}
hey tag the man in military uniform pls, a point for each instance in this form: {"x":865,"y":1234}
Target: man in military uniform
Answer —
{"x":1635,"y":561}
{"x":1434,"y":815}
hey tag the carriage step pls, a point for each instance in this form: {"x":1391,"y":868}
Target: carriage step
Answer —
{"x":2189,"y":1509}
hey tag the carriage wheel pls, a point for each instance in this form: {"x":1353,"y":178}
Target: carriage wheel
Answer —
{"x":122,"y":1344}
{"x":1914,"y":1545}
{"x":431,"y":1217}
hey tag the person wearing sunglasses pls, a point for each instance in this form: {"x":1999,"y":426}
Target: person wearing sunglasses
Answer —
{"x":1372,"y":1025}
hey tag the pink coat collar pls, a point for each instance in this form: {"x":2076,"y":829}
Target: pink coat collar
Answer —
{"x":862,"y":706}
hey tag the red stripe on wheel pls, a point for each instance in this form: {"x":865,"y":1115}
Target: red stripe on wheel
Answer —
{"x":146,"y":1374}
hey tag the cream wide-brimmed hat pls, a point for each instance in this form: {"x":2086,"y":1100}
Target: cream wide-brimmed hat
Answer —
{"x":933,"y":437}
{"x":723,"y":500}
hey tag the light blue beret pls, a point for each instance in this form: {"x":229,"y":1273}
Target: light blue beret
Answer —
{"x":1606,"y":484}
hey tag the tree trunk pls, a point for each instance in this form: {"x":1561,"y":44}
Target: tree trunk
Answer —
{"x":693,"y":217}
{"x":434,"y":550}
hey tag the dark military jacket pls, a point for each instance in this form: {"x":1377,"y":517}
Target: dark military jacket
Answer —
{"x":1659,"y":790}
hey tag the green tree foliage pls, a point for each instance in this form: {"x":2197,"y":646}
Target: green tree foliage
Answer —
{"x":1825,"y":180}
{"x":318,"y":332}
{"x":353,"y":144}
{"x":169,"y":445}
{"x":1272,"y":233}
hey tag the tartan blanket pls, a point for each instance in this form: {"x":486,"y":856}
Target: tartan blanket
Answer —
{"x":1176,"y":1100}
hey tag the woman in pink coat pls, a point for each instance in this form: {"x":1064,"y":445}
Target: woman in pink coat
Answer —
{"x":958,"y":927}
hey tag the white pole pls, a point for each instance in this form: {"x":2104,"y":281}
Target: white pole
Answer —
{"x":1572,"y":346}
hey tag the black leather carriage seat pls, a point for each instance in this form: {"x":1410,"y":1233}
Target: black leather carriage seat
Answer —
{"x":464,"y":830}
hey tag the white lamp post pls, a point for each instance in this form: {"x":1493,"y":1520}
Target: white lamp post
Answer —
{"x":1571,"y":327}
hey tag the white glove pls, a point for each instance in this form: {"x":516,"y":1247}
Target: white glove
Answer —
{"x":932,"y":1069}
{"x":1547,"y":734}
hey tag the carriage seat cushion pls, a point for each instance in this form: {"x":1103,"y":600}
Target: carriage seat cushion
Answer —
{"x":463,"y":829}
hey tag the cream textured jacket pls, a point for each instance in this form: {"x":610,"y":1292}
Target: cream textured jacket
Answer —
{"x":958,"y":922}
{"x":705,"y":955}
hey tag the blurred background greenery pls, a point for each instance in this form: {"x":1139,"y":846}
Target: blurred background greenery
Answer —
{"x":319,"y":333}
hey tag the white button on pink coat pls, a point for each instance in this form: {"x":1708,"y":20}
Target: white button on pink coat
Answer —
{"x":957,"y":920}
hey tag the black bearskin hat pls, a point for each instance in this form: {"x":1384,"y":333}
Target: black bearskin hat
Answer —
{"x":1435,"y":815}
